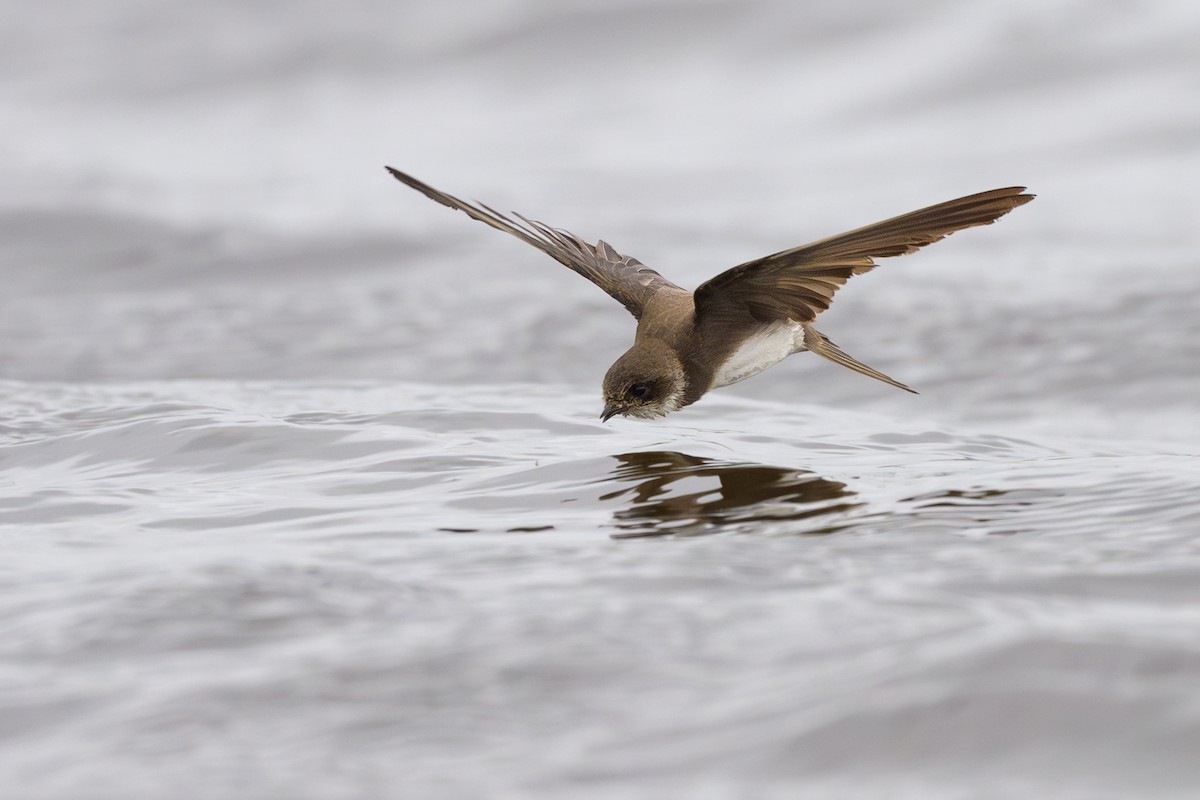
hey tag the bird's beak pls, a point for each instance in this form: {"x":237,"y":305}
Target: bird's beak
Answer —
{"x":609,"y":412}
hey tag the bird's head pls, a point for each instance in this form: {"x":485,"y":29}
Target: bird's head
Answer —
{"x":648,"y":381}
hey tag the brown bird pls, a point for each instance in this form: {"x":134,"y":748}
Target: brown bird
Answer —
{"x":745,"y":319}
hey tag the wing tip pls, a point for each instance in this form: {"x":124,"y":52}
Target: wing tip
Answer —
{"x":407,"y":180}
{"x":1016,"y":197}
{"x":1020,"y":195}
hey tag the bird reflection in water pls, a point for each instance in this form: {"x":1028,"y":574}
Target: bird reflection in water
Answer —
{"x":674,"y":493}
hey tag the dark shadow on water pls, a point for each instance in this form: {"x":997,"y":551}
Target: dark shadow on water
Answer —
{"x":677,"y":494}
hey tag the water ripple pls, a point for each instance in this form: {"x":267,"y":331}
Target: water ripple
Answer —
{"x":386,"y":565}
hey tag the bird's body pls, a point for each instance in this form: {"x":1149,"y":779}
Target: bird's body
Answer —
{"x":745,"y":319}
{"x":765,"y":347}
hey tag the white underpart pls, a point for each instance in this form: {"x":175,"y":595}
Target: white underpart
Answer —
{"x":770,"y":345}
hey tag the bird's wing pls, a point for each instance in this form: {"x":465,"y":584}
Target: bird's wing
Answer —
{"x":798,"y":284}
{"x":628,"y":280}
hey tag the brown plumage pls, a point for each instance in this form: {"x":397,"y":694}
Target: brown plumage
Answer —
{"x":744,"y":319}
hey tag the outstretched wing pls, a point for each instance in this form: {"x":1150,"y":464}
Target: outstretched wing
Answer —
{"x":798,"y":284}
{"x":628,"y":280}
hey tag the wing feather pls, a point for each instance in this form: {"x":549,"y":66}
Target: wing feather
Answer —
{"x":626,"y":279}
{"x":799,"y":283}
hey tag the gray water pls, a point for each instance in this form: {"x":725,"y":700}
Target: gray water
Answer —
{"x":302,"y":490}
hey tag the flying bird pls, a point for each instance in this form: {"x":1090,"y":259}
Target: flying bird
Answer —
{"x":745,"y":319}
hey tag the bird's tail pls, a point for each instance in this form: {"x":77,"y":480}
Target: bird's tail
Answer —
{"x":820,"y":344}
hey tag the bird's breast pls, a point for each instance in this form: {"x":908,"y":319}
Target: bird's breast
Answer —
{"x":764,"y":347}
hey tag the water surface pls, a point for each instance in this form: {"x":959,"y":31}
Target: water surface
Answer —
{"x":302,"y":490}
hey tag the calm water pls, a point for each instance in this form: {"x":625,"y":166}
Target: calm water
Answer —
{"x":302,"y":490}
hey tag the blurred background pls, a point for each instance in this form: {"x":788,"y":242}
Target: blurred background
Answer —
{"x":283,"y":581}
{"x":196,"y":190}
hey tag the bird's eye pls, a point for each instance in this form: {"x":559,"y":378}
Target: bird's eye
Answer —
{"x":638,"y":390}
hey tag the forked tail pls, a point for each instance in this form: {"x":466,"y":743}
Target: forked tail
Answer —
{"x":820,"y":344}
